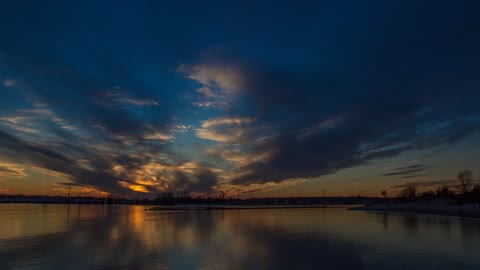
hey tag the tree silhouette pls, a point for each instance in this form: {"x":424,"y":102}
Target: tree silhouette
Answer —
{"x":466,"y":178}
{"x":410,"y":191}
{"x":444,"y":191}
{"x":222,"y":194}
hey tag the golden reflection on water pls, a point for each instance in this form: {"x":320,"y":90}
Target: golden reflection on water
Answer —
{"x":106,"y":236}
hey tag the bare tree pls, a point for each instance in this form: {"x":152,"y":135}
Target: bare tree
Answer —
{"x":409,"y":191}
{"x":466,"y":178}
{"x":222,"y":194}
{"x":384,"y":194}
{"x":444,"y":191}
{"x":427,"y":194}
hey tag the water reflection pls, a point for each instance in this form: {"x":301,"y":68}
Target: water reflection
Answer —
{"x":127,"y":237}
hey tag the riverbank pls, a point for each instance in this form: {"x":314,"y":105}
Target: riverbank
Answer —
{"x":436,"y":207}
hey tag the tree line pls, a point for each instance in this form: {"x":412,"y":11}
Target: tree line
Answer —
{"x":465,"y":189}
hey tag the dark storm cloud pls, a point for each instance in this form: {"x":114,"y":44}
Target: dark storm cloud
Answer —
{"x":81,"y":74}
{"x":201,"y":180}
{"x":35,"y":152}
{"x":414,"y":87}
{"x":205,"y":180}
{"x":66,"y":158}
{"x":43,"y":156}
{"x":82,"y":78}
{"x":343,"y":147}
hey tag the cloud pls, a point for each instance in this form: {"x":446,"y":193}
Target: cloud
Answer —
{"x":237,"y":156}
{"x":408,"y":171}
{"x":12,"y":170}
{"x":155,"y":177}
{"x":118,"y":98}
{"x":207,"y":92}
{"x":9,"y":82}
{"x":226,"y":78}
{"x":226,"y":121}
{"x":324,"y":125}
{"x":409,"y":167}
{"x":414,"y":176}
{"x":29,"y":122}
{"x":107,"y":169}
{"x":310,"y":137}
{"x":392,"y":99}
{"x":139,"y":102}
{"x":226,"y":129}
{"x":219,"y":84}
{"x":137,"y":188}
{"x":166,"y":135}
{"x":68,"y":184}
{"x":233,"y":190}
{"x":159,"y":136}
{"x":234,"y":135}
{"x":366,"y":131}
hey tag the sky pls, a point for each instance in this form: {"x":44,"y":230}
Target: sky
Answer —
{"x":139,"y":98}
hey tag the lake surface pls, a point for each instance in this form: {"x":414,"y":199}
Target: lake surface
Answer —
{"x":127,"y":237}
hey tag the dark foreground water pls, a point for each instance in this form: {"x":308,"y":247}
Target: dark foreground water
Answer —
{"x":127,"y":237}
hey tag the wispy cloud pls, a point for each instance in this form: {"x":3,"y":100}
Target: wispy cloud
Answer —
{"x":408,"y":171}
{"x":159,"y":136}
{"x":226,"y":121}
{"x":258,"y":188}
{"x":118,"y":97}
{"x":237,"y":156}
{"x":226,"y":129}
{"x":12,"y":170}
{"x":226,"y":78}
{"x":139,"y":102}
{"x":414,"y":176}
{"x":326,"y":124}
{"x":219,"y":84}
{"x":9,"y":82}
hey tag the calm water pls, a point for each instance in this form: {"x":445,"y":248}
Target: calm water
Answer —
{"x":127,"y":237}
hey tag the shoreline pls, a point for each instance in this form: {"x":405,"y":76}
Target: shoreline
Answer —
{"x":234,"y":207}
{"x":461,"y":211}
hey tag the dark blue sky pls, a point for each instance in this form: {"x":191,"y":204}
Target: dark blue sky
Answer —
{"x":278,"y":98}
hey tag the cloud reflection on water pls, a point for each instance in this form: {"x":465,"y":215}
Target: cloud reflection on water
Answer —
{"x":127,"y":237}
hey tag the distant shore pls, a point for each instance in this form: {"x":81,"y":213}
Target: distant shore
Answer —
{"x":197,"y":201}
{"x":443,"y":208}
{"x":234,"y":207}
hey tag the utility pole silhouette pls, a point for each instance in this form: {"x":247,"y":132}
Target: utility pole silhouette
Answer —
{"x":68,"y":194}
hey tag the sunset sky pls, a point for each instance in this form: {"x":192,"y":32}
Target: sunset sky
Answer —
{"x":144,"y":97}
